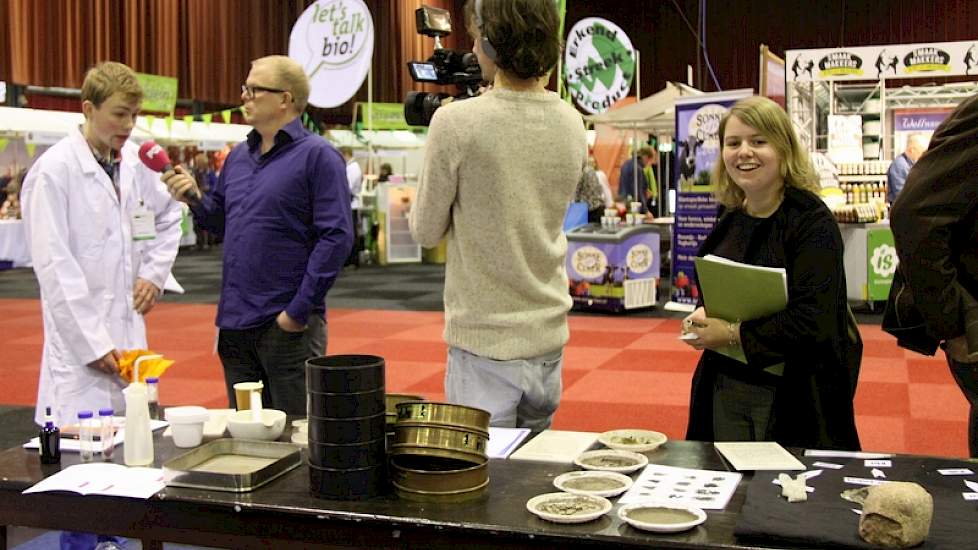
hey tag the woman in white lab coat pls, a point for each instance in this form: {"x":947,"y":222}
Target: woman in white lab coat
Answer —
{"x":98,"y":269}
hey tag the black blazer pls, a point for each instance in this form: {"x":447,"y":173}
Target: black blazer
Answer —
{"x":935,"y":228}
{"x":814,"y":336}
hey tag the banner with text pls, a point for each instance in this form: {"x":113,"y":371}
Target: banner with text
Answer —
{"x":879,"y":62}
{"x":159,"y":92}
{"x":383,"y":116}
{"x":697,"y":149}
{"x":907,"y":122}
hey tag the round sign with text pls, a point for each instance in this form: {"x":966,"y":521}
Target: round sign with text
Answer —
{"x":884,"y":260}
{"x":639,"y":258}
{"x":589,"y":262}
{"x":333,"y":40}
{"x":599,"y":64}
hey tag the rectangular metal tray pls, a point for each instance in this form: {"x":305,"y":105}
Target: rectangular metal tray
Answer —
{"x":190,"y":469}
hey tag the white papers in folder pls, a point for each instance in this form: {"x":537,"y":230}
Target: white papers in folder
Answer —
{"x":556,"y":446}
{"x":779,"y":270}
{"x":758,"y":455}
{"x":104,"y":478}
{"x":503,"y":441}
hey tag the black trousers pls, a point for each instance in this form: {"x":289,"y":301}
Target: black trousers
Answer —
{"x":966,"y":375}
{"x":274,"y":357}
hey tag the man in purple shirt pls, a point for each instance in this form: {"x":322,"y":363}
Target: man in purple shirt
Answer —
{"x":283,"y":206}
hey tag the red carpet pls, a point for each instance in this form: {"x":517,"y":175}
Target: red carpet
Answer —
{"x":618,"y":372}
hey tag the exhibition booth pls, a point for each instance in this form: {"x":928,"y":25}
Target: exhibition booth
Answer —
{"x":364,"y":467}
{"x":855,"y":121}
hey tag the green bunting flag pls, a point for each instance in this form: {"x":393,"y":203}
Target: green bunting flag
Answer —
{"x":31,"y":147}
{"x":189,"y":121}
{"x":150,"y":120}
{"x":207,"y":118}
{"x":169,"y":123}
{"x":3,"y":144}
{"x":226,"y":115}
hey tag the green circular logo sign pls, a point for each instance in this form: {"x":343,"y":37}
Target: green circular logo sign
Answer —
{"x":599,"y":63}
{"x":884,"y":260}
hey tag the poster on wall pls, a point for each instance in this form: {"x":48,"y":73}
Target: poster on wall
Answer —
{"x":697,"y":148}
{"x":845,"y":138}
{"x":880,"y":62}
{"x":333,"y":40}
{"x":599,"y":63}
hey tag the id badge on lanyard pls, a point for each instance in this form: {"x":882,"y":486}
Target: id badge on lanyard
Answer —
{"x":143,"y":223}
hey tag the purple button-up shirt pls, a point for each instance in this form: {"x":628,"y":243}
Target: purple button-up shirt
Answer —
{"x":287,"y":227}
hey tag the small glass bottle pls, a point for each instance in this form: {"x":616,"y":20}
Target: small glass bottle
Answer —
{"x":86,"y":436}
{"x":153,"y":395}
{"x":106,"y":433}
{"x":50,"y":438}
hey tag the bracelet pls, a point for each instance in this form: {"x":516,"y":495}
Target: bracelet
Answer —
{"x":734,"y":329}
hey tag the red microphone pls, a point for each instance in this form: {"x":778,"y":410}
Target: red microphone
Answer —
{"x":156,"y":159}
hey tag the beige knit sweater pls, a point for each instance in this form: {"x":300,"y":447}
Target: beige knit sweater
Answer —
{"x":499,"y":171}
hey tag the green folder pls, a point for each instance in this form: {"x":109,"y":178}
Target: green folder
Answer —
{"x":735,"y":291}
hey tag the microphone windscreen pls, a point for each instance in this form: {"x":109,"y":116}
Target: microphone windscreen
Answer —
{"x":154,"y":156}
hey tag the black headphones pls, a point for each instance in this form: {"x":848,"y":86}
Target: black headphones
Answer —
{"x":487,"y":47}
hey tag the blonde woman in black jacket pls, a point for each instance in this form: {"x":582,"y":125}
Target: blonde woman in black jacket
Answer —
{"x":798,"y":384}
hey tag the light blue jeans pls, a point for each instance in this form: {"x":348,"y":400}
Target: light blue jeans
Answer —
{"x":521,"y":393}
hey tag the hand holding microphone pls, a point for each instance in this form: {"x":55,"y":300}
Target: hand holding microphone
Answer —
{"x":181,"y":185}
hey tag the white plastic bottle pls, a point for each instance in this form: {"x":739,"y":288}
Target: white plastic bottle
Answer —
{"x":138,"y":443}
{"x":86,"y":436}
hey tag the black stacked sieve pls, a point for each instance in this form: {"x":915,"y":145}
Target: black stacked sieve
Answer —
{"x":345,"y":404}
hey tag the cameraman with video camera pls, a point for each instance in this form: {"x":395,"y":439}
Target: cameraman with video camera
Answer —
{"x":499,"y":172}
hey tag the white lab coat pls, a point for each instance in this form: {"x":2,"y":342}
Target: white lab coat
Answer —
{"x":86,"y":261}
{"x":354,"y":178}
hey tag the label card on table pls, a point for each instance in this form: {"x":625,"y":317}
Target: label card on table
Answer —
{"x":955,"y":472}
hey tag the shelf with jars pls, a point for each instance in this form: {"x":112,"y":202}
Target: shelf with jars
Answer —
{"x":861,"y":213}
{"x":863,"y":191}
{"x":866,"y":168}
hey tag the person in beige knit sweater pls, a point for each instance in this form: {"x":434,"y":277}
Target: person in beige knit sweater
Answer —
{"x":499,"y":172}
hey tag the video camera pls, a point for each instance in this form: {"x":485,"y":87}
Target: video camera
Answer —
{"x":444,"y":67}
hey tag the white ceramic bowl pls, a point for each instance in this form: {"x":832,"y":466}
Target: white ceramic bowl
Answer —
{"x":242,"y":426}
{"x":556,"y":507}
{"x":574,"y":482}
{"x":187,"y":425}
{"x":623,"y":462}
{"x":625,"y":513}
{"x":636,"y":441}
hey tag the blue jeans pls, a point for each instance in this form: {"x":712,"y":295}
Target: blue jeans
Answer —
{"x":521,"y":393}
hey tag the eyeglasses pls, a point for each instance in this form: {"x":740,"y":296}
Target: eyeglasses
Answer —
{"x":251,"y":91}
